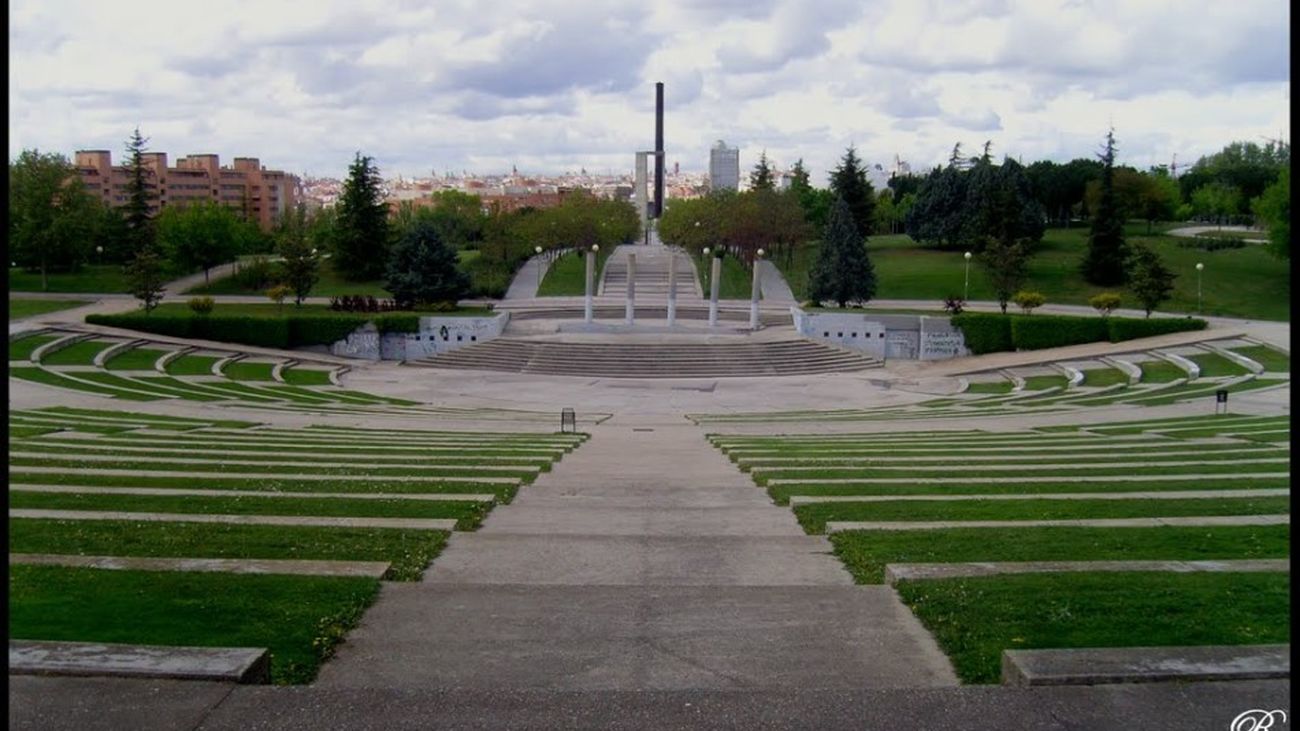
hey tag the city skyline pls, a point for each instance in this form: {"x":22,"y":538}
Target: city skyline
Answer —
{"x":546,"y":89}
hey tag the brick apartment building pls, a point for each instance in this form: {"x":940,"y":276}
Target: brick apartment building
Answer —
{"x":246,"y":185}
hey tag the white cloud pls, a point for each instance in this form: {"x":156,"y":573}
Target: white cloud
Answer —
{"x":551,"y":86}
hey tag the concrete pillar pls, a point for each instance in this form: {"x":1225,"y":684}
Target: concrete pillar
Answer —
{"x":715,"y":274}
{"x":630,"y":315}
{"x":639,"y":195}
{"x":591,"y":283}
{"x":672,"y":288}
{"x":753,"y":295}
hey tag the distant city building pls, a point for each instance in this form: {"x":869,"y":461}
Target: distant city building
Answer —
{"x":724,"y":167}
{"x":247,"y":186}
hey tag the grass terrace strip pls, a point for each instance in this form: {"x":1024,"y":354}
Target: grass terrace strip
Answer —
{"x":21,"y":349}
{"x":975,"y":619}
{"x":300,"y":619}
{"x":504,"y":491}
{"x":305,"y":376}
{"x":64,"y":448}
{"x":81,"y":353}
{"x":865,"y":553}
{"x":1213,"y":365}
{"x":1160,"y":371}
{"x":135,"y":359}
{"x":1191,"y":452}
{"x":814,"y":517}
{"x":1104,"y":469}
{"x":409,"y":551}
{"x":468,"y":515}
{"x":782,"y":493}
{"x":198,"y":445}
{"x":141,"y":464}
{"x":72,"y":412}
{"x":192,"y":365}
{"x":1272,"y":360}
{"x":248,"y":371}
{"x":114,"y":380}
{"x":50,"y":378}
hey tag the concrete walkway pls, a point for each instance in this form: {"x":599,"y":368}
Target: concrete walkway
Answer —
{"x":529,"y":278}
{"x":644,"y":561}
{"x":1191,"y":231}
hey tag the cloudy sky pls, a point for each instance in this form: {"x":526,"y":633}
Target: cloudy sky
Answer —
{"x":554,"y":85}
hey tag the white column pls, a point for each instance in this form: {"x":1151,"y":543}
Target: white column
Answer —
{"x":639,"y":193}
{"x":753,"y":296}
{"x":714,"y":277}
{"x":591,"y":276}
{"x":630,"y":314}
{"x":672,"y":288}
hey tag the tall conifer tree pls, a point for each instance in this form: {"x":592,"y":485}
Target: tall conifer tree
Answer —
{"x":843,"y":272}
{"x":1103,"y":263}
{"x":849,"y":181}
{"x":361,"y":233}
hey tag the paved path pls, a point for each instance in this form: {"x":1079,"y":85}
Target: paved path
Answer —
{"x":529,"y":277}
{"x":1190,"y":231}
{"x":644,"y":561}
{"x":772,"y":285}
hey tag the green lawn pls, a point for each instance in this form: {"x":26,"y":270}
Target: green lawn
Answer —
{"x":993,"y":387}
{"x":71,"y":414}
{"x":191,"y":365}
{"x":247,"y":371}
{"x":409,"y":551}
{"x":100,"y":279}
{"x":736,"y":281}
{"x":975,"y":619}
{"x":567,"y":275}
{"x":300,"y":619}
{"x":1272,"y":360}
{"x":865,"y":553}
{"x":978,"y":486}
{"x":1160,"y":371}
{"x":814,"y":517}
{"x":1213,"y":365}
{"x":1042,"y":383}
{"x":306,"y":376}
{"x":23,"y":308}
{"x":468,"y":515}
{"x":21,"y":349}
{"x":134,"y":359}
{"x":82,"y":353}
{"x":49,"y":378}
{"x":905,"y":270}
{"x":1101,"y":377}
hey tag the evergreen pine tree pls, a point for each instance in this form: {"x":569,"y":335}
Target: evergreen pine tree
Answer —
{"x":1150,"y":281}
{"x":1103,"y":263}
{"x":139,"y":192}
{"x":761,"y":178}
{"x":843,"y":272}
{"x":144,"y":276}
{"x":799,"y":181}
{"x":424,"y":270}
{"x":299,"y":262}
{"x":361,"y":227}
{"x":849,"y":181}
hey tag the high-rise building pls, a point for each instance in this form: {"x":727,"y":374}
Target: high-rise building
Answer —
{"x":724,"y":167}
{"x":263,"y":195}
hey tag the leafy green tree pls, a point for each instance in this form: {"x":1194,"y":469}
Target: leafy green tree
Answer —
{"x":843,"y":272}
{"x":144,"y":276}
{"x":1246,"y":166}
{"x":849,"y":181}
{"x":1006,"y":263}
{"x":424,"y":270}
{"x":201,"y":235}
{"x":1149,"y":280}
{"x":361,"y":231}
{"x":1103,"y":263}
{"x":761,"y":177}
{"x":1273,"y":207}
{"x":1216,"y":201}
{"x":298,"y":258}
{"x":799,"y":180}
{"x":140,"y":194}
{"x":53,"y":221}
{"x":937,"y":215}
{"x":458,"y":217}
{"x":886,"y":212}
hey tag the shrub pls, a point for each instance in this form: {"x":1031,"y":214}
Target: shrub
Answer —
{"x":398,"y":323}
{"x":201,"y":305}
{"x":1054,"y":331}
{"x":1027,"y":300}
{"x":1105,"y":303}
{"x":984,"y":333}
{"x":1209,"y":244}
{"x":160,"y":324}
{"x":321,"y":330}
{"x":257,"y":274}
{"x":278,"y":293}
{"x":954,"y":305}
{"x":363,"y":303}
{"x":1128,"y":328}
{"x":268,"y":332}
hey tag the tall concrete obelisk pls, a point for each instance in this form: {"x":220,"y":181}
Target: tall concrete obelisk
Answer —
{"x":659,"y":149}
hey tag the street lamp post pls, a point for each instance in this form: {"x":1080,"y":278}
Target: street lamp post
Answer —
{"x":99,"y":254}
{"x":965,"y":294}
{"x":705,"y":260}
{"x":538,"y":250}
{"x":1199,"y":268}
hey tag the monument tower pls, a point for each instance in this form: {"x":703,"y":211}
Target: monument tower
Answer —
{"x":659,"y":148}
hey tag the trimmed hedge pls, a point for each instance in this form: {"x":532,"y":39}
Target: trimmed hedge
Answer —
{"x":984,"y":333}
{"x":1036,"y":332}
{"x":1128,"y":328}
{"x":269,"y":332}
{"x":994,"y":333}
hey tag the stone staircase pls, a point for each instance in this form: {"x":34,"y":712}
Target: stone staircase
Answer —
{"x":653,"y":360}
{"x":651,"y":273}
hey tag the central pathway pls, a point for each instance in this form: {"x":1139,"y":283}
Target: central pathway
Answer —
{"x":644,"y":561}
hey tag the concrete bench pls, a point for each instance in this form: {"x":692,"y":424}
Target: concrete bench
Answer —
{"x":221,"y":664}
{"x":1095,"y":666}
